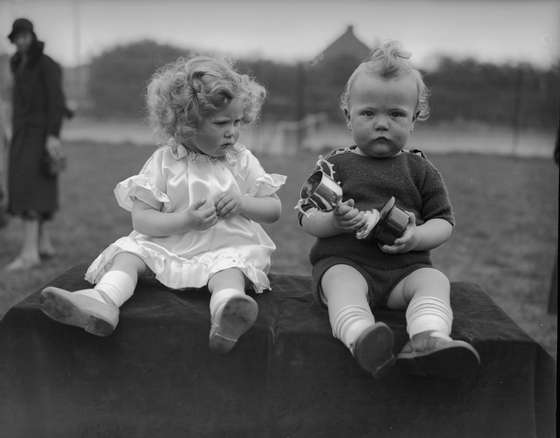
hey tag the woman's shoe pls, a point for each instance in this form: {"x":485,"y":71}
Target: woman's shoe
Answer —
{"x":22,"y":264}
{"x":373,"y":349}
{"x":231,"y":320}
{"x":47,"y":253}
{"x":97,"y":317}
{"x":440,"y":356}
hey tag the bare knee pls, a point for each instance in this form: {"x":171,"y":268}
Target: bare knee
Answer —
{"x":228,"y":278}
{"x":427,"y":282}
{"x":343,"y":278}
{"x":126,"y":261}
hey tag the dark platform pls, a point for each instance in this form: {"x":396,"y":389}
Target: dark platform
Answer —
{"x":288,"y":377}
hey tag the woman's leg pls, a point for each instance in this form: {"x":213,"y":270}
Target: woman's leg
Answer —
{"x":345,"y":292}
{"x":232,"y":312}
{"x":46,"y":248}
{"x":96,"y":310}
{"x":29,"y":254}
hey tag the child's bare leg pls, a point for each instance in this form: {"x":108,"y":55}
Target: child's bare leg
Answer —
{"x":96,"y":310}
{"x":232,"y":312}
{"x":345,"y":293}
{"x":119,"y":282}
{"x":425,"y":294}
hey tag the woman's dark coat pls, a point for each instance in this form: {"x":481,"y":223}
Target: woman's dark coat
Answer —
{"x":37,"y":111}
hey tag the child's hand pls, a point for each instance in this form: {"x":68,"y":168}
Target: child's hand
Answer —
{"x":201,"y":215}
{"x":407,"y":242}
{"x":348,"y":218}
{"x":228,"y":204}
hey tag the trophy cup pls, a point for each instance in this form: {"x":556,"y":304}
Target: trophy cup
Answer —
{"x":324,"y":193}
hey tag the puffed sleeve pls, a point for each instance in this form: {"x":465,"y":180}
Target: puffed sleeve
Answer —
{"x":148,"y":186}
{"x":256,"y":182}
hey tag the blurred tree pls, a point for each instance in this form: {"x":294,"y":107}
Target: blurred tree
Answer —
{"x":119,"y":76}
{"x":5,"y":77}
{"x":462,"y":89}
{"x":280,"y":81}
{"x":494,"y":93}
{"x":327,"y":80}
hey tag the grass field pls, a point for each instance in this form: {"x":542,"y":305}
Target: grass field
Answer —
{"x":505,"y":238}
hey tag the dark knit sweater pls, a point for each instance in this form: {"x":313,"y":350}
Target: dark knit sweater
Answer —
{"x":415,"y":183}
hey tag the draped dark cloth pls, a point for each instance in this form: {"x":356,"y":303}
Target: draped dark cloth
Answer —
{"x":287,"y":377}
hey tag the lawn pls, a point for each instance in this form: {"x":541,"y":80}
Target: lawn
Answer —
{"x":505,"y":239}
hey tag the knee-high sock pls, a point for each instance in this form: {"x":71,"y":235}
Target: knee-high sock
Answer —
{"x":428,"y":314}
{"x":118,"y":286}
{"x":219,"y":298}
{"x":349,"y":322}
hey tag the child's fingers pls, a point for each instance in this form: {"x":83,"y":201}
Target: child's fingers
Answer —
{"x":222,"y":199}
{"x":351,"y":214}
{"x":361,"y":221}
{"x":392,"y":249}
{"x":341,"y":210}
{"x":412,"y":218}
{"x":210,"y":219}
{"x":344,"y":207}
{"x":409,"y":231}
{"x":198,"y":204}
{"x":220,"y":205}
{"x":352,"y":223}
{"x":353,"y":218}
{"x":227,"y":208}
{"x":210,"y":222}
{"x":207,"y":212}
{"x":405,"y":237}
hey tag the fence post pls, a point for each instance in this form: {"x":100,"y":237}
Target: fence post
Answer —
{"x":300,"y":103}
{"x":516,"y":116}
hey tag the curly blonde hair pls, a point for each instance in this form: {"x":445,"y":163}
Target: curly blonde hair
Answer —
{"x":390,"y":61}
{"x":182,"y":94}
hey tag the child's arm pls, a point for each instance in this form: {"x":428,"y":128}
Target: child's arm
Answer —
{"x":262,"y":209}
{"x":344,"y":219}
{"x":265,"y":209}
{"x":429,"y":235}
{"x":152,"y":222}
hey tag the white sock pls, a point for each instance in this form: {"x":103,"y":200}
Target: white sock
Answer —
{"x":428,"y":314}
{"x":350,"y":322}
{"x":117,"y":285}
{"x":220,"y":297}
{"x":95,"y":294}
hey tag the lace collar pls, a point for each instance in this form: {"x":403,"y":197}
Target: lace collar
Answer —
{"x":180,"y":152}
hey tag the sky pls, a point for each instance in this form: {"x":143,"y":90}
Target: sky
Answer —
{"x":290,"y":30}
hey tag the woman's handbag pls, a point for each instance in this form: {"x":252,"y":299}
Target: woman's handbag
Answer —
{"x":54,"y":164}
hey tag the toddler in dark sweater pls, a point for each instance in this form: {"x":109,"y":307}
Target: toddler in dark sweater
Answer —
{"x":383,"y":99}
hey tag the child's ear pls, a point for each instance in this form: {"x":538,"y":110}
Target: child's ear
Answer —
{"x":414,"y":118}
{"x":347,"y":117}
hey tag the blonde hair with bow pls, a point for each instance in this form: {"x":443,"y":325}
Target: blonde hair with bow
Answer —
{"x":183,"y":93}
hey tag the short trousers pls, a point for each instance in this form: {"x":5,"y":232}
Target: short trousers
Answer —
{"x":380,"y":281}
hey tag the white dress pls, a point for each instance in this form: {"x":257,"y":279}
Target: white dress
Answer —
{"x":174,"y":180}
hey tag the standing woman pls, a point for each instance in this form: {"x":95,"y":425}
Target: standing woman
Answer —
{"x":37,"y":112}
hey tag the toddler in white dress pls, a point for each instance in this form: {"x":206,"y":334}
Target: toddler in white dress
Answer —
{"x":195,"y":205}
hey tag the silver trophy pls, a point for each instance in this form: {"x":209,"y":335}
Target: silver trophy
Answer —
{"x":322,"y":192}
